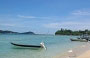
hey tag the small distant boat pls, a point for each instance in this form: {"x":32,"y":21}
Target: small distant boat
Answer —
{"x":81,"y":40}
{"x":36,"y":46}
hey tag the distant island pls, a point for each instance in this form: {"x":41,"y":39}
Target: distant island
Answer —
{"x":70,"y":32}
{"x":12,"y":32}
{"x":28,"y":33}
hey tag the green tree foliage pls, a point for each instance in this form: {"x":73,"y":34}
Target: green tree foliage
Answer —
{"x":70,"y":32}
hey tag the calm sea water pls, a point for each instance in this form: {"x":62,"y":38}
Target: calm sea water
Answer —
{"x":54,"y":44}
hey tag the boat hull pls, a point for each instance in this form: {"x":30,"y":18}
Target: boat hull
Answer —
{"x":21,"y":45}
{"x":81,"y":40}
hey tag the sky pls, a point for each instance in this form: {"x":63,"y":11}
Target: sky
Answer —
{"x":44,"y":16}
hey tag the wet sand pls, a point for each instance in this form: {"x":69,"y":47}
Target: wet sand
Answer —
{"x":82,"y":51}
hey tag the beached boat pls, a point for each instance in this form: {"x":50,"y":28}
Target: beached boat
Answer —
{"x":81,"y":40}
{"x":85,"y":36}
{"x":35,"y":46}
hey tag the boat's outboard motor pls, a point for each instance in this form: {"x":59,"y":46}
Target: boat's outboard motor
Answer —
{"x":43,"y":46}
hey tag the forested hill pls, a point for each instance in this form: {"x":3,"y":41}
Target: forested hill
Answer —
{"x":70,"y":32}
{"x":12,"y":32}
{"x":6,"y":31}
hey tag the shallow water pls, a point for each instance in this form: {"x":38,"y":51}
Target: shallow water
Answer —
{"x":54,"y":44}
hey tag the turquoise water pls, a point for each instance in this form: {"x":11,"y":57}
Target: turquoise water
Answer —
{"x":54,"y":44}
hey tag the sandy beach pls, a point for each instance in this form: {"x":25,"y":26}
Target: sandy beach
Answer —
{"x":82,"y":51}
{"x":85,"y":55}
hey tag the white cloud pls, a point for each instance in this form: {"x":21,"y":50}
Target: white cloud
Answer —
{"x":68,"y":25}
{"x":81,"y":12}
{"x":10,"y":25}
{"x":33,"y":17}
{"x":13,"y":25}
{"x":21,"y":16}
{"x":52,"y":25}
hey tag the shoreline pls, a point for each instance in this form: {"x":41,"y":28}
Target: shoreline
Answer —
{"x":75,"y":52}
